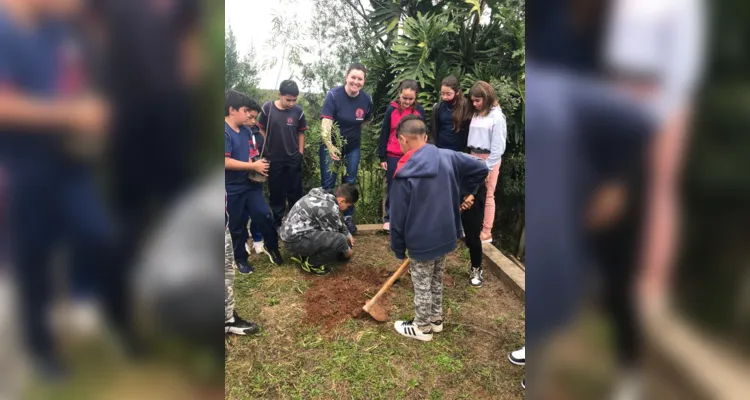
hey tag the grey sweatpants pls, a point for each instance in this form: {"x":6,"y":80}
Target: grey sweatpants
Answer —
{"x":319,"y":246}
{"x":427,"y":277}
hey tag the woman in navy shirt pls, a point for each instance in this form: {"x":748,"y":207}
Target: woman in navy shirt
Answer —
{"x":349,"y":107}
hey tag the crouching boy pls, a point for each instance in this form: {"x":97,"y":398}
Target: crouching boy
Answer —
{"x":314,"y":232}
{"x":426,"y":219}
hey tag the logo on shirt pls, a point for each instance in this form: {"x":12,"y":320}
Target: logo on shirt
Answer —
{"x":360,"y":113}
{"x":290,"y":121}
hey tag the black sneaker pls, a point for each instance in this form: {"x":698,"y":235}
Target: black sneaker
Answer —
{"x":274,"y":255}
{"x":475,"y":277}
{"x":349,"y":221}
{"x":244,"y":267}
{"x":319,"y":270}
{"x":302,"y":261}
{"x":238,"y":326}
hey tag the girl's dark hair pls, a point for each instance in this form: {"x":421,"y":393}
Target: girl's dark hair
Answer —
{"x":357,"y":66}
{"x":408,"y":84}
{"x":461,"y":112}
{"x":484,"y":91}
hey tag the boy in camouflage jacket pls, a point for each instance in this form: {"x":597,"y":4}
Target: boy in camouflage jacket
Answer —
{"x":314,"y":232}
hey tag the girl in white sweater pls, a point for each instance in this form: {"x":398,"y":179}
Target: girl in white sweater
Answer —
{"x":487,"y":137}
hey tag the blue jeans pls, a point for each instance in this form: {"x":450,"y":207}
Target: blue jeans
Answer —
{"x":249,"y":204}
{"x":255,"y":232}
{"x":328,"y":179}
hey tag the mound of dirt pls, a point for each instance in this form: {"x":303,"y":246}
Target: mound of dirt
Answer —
{"x":333,"y":299}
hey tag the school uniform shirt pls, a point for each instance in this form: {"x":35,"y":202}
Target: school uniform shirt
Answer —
{"x":349,"y":113}
{"x":43,"y":63}
{"x":282,"y":131}
{"x":489,"y":134}
{"x":239,"y":146}
{"x":446,"y":136}
{"x":388,"y":145}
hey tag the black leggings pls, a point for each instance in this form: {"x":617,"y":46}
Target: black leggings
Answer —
{"x":472,"y":222}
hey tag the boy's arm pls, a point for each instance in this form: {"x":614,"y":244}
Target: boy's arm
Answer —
{"x":400,"y":194}
{"x":334,"y":219}
{"x":497,"y":147}
{"x":301,"y":133}
{"x":471,"y":172}
{"x":385,"y":131}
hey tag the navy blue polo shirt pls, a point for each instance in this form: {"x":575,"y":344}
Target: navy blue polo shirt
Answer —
{"x":32,"y":63}
{"x":239,"y":146}
{"x":349,"y":113}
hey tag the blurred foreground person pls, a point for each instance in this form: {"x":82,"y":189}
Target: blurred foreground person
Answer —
{"x":579,"y":133}
{"x":51,"y":127}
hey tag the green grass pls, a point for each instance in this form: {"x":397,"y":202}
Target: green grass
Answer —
{"x":362,"y":359}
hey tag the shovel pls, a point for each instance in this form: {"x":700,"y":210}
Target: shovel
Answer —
{"x":372,"y":307}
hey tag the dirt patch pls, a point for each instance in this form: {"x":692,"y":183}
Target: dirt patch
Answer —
{"x":333,"y":299}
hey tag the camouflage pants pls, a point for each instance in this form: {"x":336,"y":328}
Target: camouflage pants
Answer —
{"x":427,"y":277}
{"x":228,"y":276}
{"x":320,"y":246}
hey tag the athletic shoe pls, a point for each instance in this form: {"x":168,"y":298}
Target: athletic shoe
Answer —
{"x":238,"y":326}
{"x":410,"y":330}
{"x":475,"y":277}
{"x":486,"y":238}
{"x":258,"y":247}
{"x":349,"y":222}
{"x":518,"y":357}
{"x":244,"y":267}
{"x":436,"y":326}
{"x":274,"y":255}
{"x":387,"y":226}
{"x":319,"y":270}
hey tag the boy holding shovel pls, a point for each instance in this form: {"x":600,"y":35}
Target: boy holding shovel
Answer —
{"x":430,"y":188}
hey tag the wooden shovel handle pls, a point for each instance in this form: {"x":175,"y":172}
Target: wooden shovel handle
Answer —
{"x":389,"y":283}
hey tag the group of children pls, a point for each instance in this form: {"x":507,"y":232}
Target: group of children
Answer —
{"x":440,"y":185}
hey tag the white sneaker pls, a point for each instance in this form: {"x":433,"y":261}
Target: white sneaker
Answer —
{"x":436,"y":326}
{"x":258,"y":246}
{"x":518,"y":357}
{"x":475,"y":277}
{"x":410,"y":330}
{"x":387,"y":226}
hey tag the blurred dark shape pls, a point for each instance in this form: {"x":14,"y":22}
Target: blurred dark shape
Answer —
{"x":151,"y":153}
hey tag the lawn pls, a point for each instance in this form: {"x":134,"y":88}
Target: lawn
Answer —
{"x":313,"y":345}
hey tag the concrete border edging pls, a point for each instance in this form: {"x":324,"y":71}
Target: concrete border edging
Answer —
{"x":500,"y":265}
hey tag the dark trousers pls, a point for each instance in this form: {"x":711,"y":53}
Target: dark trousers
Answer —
{"x":328,"y":179}
{"x":471,"y":220}
{"x":320,"y":246}
{"x":249,"y":204}
{"x":390,"y":171}
{"x":51,"y":208}
{"x":284,"y":186}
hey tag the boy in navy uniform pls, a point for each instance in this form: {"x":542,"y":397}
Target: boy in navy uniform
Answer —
{"x":282,"y":123}
{"x":45,"y":113}
{"x":245,"y":197}
{"x":430,"y":187}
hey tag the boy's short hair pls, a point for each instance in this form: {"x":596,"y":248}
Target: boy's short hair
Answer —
{"x":289,"y":88}
{"x":236,"y":100}
{"x":348,"y":191}
{"x":411,"y":124}
{"x":254,"y":106}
